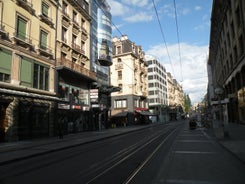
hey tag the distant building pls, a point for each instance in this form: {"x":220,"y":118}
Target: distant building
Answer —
{"x":157,"y":89}
{"x":175,"y":98}
{"x":226,"y":61}
{"x":129,"y":72}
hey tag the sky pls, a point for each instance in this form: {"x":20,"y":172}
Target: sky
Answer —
{"x":179,"y":44}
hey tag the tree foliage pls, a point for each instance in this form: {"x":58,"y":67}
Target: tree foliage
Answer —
{"x":187,"y":103}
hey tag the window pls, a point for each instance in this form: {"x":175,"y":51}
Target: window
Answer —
{"x":5,"y":65}
{"x":45,"y":9}
{"x":64,"y":34}
{"x":83,"y":23}
{"x":74,"y":40}
{"x":64,"y":7}
{"x":33,"y":74}
{"x":74,"y":16}
{"x":43,"y":39}
{"x":119,"y":74}
{"x":120,"y":103}
{"x":21,"y":28}
{"x":119,"y":49}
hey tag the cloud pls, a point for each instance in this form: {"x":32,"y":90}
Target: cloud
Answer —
{"x":139,"y":17}
{"x":138,"y":3}
{"x":191,"y":72}
{"x":118,"y":8}
{"x":197,"y":8}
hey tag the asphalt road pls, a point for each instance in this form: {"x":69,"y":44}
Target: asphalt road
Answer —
{"x":160,"y":154}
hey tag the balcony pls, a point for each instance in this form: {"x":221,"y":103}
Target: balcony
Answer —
{"x":22,"y":40}
{"x":46,"y":20}
{"x":63,"y":63}
{"x":64,"y":45}
{"x":77,"y":49}
{"x":26,"y":5}
{"x":66,"y":20}
{"x":44,"y":51}
{"x":3,"y":33}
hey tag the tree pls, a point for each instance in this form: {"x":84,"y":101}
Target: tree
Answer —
{"x":187,"y":103}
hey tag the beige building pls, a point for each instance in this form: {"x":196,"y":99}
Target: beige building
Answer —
{"x":74,"y":77}
{"x":129,"y":72}
{"x":175,"y":98}
{"x":44,"y":67}
{"x":27,"y":52}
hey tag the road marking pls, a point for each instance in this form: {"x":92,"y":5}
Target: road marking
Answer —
{"x":194,"y":152}
{"x":192,"y":141}
{"x":187,"y":182}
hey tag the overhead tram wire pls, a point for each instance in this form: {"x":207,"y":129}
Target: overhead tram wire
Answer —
{"x":161,"y":29}
{"x":177,"y":30}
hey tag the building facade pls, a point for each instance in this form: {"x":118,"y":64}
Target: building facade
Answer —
{"x":27,"y":68}
{"x":157,"y":90}
{"x":45,"y":75}
{"x":226,"y":58}
{"x":73,"y":73}
{"x":175,"y":98}
{"x":129,"y":72}
{"x":101,"y":56}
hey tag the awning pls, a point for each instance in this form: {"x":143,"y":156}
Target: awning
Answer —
{"x":120,"y":114}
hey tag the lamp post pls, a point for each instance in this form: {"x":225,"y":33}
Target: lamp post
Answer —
{"x":219,"y":91}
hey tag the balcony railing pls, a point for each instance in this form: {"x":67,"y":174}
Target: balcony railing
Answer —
{"x":47,"y":20}
{"x":76,"y":67}
{"x":22,"y":40}
{"x":45,"y":51}
{"x":26,"y":5}
{"x":77,"y":48}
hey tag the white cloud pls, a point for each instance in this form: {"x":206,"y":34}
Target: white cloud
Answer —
{"x":139,"y":3}
{"x":193,"y":75}
{"x":197,"y":8}
{"x":118,"y":9}
{"x":139,"y":17}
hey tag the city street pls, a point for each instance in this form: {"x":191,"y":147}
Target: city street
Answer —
{"x":169,"y":153}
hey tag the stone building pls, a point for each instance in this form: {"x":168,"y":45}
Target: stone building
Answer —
{"x":175,"y":98}
{"x":73,"y":74}
{"x":129,"y":72}
{"x":226,"y":62}
{"x":27,"y":68}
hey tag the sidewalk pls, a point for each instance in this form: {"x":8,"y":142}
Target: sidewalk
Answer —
{"x":14,"y":151}
{"x":235,"y":143}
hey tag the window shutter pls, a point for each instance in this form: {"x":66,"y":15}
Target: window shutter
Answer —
{"x":26,"y":72}
{"x":21,"y":29}
{"x":5,"y":61}
{"x":43,"y":38}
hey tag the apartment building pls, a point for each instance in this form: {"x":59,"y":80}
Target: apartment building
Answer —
{"x":27,"y":67}
{"x":226,"y":59}
{"x":175,"y":98}
{"x":129,"y":72}
{"x":74,"y":76}
{"x":157,"y":89}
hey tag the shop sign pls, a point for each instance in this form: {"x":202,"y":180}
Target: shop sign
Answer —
{"x":94,"y":95}
{"x":63,"y":106}
{"x":76,"y":107}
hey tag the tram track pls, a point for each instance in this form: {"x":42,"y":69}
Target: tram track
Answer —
{"x":100,"y":171}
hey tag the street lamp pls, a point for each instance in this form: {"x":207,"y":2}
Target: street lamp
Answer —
{"x":219,"y":91}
